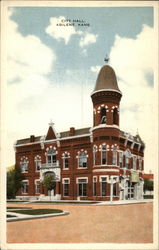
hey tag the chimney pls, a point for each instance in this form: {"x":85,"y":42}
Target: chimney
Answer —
{"x":32,"y":138}
{"x":72,"y":131}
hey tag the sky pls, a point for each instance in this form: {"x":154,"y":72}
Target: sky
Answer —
{"x":54,"y":55}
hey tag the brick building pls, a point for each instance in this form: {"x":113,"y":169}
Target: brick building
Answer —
{"x":96,"y":163}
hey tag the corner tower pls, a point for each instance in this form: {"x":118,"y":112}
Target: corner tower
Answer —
{"x":105,"y":131}
{"x":106,"y":99}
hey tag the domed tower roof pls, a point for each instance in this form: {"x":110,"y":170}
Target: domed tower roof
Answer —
{"x":106,"y":79}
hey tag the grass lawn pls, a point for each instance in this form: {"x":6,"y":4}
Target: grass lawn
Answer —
{"x":10,"y":216}
{"x":8,"y":208}
{"x":38,"y":211}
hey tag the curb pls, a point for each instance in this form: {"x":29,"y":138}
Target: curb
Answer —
{"x":32,"y":217}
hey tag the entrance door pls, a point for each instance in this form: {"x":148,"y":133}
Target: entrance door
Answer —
{"x":130,"y":190}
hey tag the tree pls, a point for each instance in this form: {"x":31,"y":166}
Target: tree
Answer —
{"x":148,"y":185}
{"x":49,"y":182}
{"x":14,"y":178}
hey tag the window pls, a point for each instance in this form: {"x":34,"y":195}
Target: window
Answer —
{"x":103,"y":181}
{"x":94,"y":186}
{"x":115,"y":155}
{"x":82,"y":160}
{"x":103,"y":155}
{"x":127,"y":156}
{"x":94,"y":155}
{"x":24,"y":164}
{"x":126,"y":161}
{"x":37,"y":162}
{"x":134,"y":162}
{"x":66,"y":183}
{"x":66,"y":160}
{"x":82,"y":187}
{"x":51,"y":155}
{"x":115,"y":116}
{"x":120,"y":159}
{"x":103,"y":115}
{"x":37,"y":186}
{"x":140,"y":164}
{"x":24,"y":187}
{"x":114,"y":189}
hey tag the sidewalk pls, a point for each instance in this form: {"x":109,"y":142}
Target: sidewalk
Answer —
{"x":29,"y":217}
{"x":123,"y":202}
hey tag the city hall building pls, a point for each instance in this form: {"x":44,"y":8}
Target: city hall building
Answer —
{"x":100,"y":162}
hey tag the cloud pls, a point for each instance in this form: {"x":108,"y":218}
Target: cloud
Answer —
{"x":88,"y":38}
{"x":26,"y":55}
{"x":95,"y":69}
{"x":133,"y":60}
{"x":60,"y":28}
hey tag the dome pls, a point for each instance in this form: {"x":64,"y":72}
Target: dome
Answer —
{"x":106,"y":79}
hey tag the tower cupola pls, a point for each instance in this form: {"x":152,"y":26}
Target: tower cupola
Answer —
{"x":106,"y":98}
{"x":106,"y":79}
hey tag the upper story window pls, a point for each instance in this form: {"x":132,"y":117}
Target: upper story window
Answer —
{"x":24,"y":164}
{"x":37,"y":162}
{"x":103,"y":115}
{"x":94,"y":154}
{"x":120,"y":159}
{"x":115,"y":155}
{"x":82,"y":160}
{"x":127,"y":157}
{"x":140,"y":163}
{"x":51,"y":155}
{"x":66,"y":157}
{"x":134,"y":162}
{"x":103,"y":149}
{"x":115,"y":116}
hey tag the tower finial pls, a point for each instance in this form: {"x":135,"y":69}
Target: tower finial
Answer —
{"x":106,"y":59}
{"x":51,"y":123}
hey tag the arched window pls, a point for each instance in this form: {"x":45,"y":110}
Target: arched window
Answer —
{"x":115,"y":155}
{"x":37,"y":162}
{"x":103,"y":115}
{"x":115,"y":116}
{"x":82,"y":160}
{"x":51,"y":155}
{"x":103,"y":155}
{"x":24,"y":164}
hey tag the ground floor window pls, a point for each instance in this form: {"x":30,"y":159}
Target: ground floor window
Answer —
{"x":94,"y":186}
{"x":82,"y":187}
{"x":66,"y":187}
{"x":103,"y":186}
{"x":37,"y":187}
{"x":24,"y":187}
{"x":114,"y":190}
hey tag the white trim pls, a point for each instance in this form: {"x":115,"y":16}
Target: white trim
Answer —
{"x":95,"y":179}
{"x":79,"y":178}
{"x":104,"y":126}
{"x":63,"y":179}
{"x":106,"y":90}
{"x":106,"y":170}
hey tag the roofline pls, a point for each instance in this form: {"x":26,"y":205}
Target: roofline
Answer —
{"x":53,"y":140}
{"x":100,"y":90}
